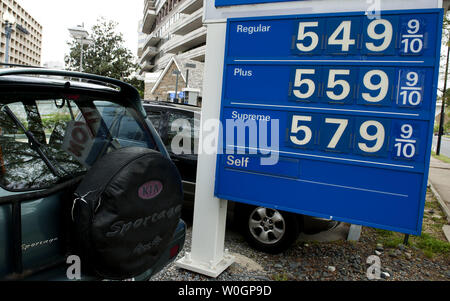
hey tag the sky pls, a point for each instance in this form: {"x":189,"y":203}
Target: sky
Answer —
{"x":56,"y":16}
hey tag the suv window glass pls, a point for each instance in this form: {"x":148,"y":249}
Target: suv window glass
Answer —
{"x":196,"y":132}
{"x":155,"y":118}
{"x":123,"y":127}
{"x":182,"y":125}
{"x":21,"y":167}
{"x":129,"y":130}
{"x":71,"y":139}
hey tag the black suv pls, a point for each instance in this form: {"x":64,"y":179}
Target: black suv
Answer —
{"x":62,"y":138}
{"x":175,"y":120}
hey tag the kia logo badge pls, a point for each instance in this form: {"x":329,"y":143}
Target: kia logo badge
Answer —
{"x":150,"y":190}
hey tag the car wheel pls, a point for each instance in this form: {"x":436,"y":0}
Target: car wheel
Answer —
{"x":268,"y":230}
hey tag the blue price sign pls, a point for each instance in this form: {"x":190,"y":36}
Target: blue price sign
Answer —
{"x":331,"y":115}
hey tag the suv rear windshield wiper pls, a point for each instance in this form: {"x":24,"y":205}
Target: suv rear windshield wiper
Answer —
{"x":32,"y":141}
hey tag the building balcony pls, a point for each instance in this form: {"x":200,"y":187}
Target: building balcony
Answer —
{"x":162,"y":62}
{"x":146,"y":66}
{"x":159,"y":4}
{"x":141,"y":44}
{"x":149,"y":53}
{"x":190,"y":6}
{"x":189,"y":23}
{"x":186,"y":42}
{"x":149,"y":4}
{"x":152,"y":40}
{"x":196,"y":54}
{"x":149,"y":20}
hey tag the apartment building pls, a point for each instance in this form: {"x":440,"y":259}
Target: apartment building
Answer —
{"x":25,"y":46}
{"x":174,"y":38}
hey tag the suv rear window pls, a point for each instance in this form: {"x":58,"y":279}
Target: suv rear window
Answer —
{"x":72,"y":132}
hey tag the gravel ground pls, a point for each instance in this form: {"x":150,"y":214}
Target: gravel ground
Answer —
{"x":323,"y":261}
{"x":311,"y":261}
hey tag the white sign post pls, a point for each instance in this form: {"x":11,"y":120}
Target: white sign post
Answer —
{"x":207,"y":254}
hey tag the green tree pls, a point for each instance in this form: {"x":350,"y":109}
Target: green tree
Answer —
{"x":445,"y":43}
{"x":107,"y":56}
{"x":138,"y":84}
{"x":446,"y":29}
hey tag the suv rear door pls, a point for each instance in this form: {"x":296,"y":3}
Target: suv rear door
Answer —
{"x":32,"y":232}
{"x":181,"y":142}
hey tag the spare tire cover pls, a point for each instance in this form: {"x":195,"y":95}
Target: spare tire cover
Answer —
{"x":125,"y":212}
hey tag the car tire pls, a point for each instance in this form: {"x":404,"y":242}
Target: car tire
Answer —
{"x":268,"y":230}
{"x":125,"y":212}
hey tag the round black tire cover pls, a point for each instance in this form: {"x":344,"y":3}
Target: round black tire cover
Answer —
{"x":125,"y":212}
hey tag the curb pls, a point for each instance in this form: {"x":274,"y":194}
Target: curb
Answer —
{"x":440,"y":201}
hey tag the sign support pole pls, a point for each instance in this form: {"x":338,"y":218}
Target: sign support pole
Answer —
{"x":406,"y":240}
{"x":207,"y":255}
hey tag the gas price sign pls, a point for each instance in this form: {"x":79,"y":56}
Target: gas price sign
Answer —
{"x":331,"y":115}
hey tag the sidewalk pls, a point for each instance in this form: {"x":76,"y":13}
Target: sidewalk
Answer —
{"x":440,"y":183}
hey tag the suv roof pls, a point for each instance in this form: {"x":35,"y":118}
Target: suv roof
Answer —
{"x":33,"y":77}
{"x":166,"y":104}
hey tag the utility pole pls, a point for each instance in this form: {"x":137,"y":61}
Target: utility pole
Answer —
{"x":444,"y":99}
{"x":177,"y":73}
{"x":188,"y":65}
{"x":81,"y":36}
{"x":9,"y":23}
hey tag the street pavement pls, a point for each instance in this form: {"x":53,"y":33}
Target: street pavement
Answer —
{"x":440,"y":182}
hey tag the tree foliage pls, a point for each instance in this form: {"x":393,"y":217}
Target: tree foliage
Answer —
{"x":107,"y":56}
{"x":445,"y":43}
{"x":447,"y":97}
{"x":446,"y":29}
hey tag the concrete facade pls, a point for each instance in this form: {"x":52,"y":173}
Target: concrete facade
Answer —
{"x":25,"y":48}
{"x":168,"y":83}
{"x":174,"y":30}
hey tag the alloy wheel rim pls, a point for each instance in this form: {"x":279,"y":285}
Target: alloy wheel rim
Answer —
{"x":267,"y":225}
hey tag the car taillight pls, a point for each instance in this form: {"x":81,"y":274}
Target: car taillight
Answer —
{"x":174,"y":251}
